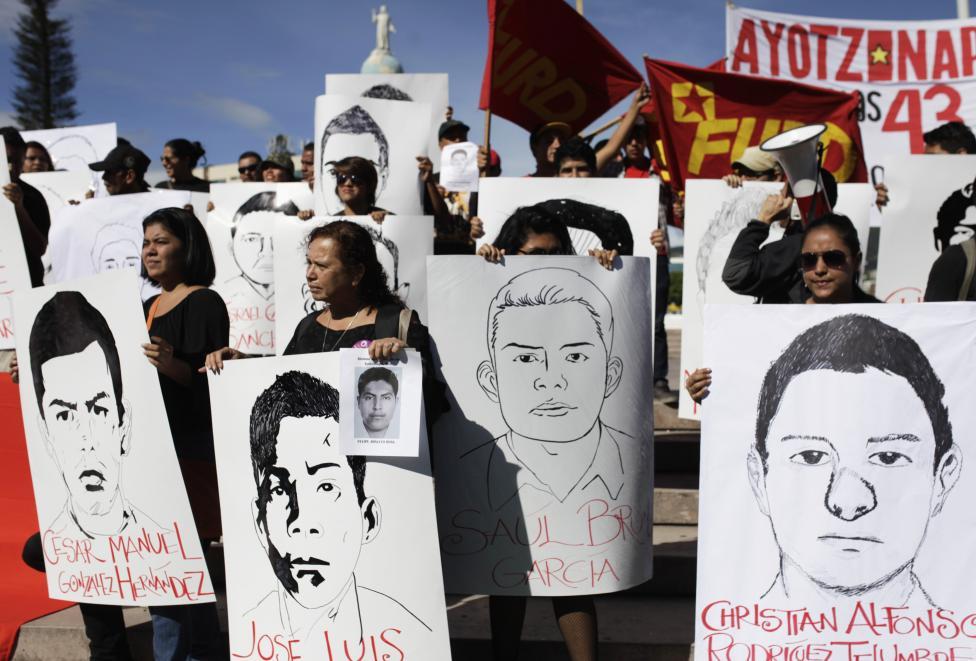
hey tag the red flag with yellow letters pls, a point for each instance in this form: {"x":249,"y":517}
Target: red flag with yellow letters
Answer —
{"x":546,"y":63}
{"x":707,"y":119}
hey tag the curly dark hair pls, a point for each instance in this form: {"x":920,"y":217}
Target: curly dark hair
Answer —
{"x":356,"y":248}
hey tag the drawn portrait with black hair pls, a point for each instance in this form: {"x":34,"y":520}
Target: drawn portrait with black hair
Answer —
{"x":429,"y":88}
{"x":241,"y":229}
{"x":834,"y":462}
{"x":389,"y":134}
{"x":319,"y":537}
{"x":103,"y":464}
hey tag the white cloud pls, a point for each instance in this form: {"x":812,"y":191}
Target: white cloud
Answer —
{"x":256,"y":73}
{"x":7,"y":118}
{"x":234,"y":110}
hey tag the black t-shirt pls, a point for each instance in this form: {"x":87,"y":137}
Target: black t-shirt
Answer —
{"x":37,"y":210}
{"x":195,"y":327}
{"x":312,"y":337}
{"x":195,"y":185}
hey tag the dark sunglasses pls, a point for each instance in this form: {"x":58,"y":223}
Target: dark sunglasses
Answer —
{"x":253,"y":167}
{"x":342,"y":178}
{"x":833,"y":259}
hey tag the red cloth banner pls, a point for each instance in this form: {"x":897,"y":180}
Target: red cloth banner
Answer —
{"x":546,"y":63}
{"x":707,"y":119}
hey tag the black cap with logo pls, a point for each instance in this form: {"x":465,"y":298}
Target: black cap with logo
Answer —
{"x":123,"y":157}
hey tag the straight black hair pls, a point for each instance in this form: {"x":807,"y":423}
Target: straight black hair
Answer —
{"x":198,"y":260}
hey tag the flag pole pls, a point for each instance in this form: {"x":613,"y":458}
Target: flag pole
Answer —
{"x":600,"y":129}
{"x":488,"y":129}
{"x":579,"y":6}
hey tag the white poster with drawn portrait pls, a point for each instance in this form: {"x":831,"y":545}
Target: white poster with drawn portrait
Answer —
{"x":544,"y":458}
{"x":459,"y":167}
{"x":715,"y":214}
{"x":327,"y":555}
{"x":429,"y":88}
{"x":381,"y":404}
{"x":241,"y":228}
{"x":59,"y":188}
{"x":74,"y":147}
{"x":14,"y":274}
{"x":933,"y":206}
{"x":836,"y":489}
{"x":104,"y":234}
{"x":115,"y":521}
{"x":609,"y":213}
{"x":402,"y":246}
{"x":391,"y":134}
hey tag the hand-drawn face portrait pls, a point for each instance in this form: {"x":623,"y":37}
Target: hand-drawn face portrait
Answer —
{"x":116,"y":246}
{"x":956,"y":218}
{"x":377,"y":400}
{"x":311,"y":512}
{"x":355,"y":133}
{"x":84,"y":419}
{"x":251,"y":230}
{"x":550,"y":379}
{"x":849,"y":494}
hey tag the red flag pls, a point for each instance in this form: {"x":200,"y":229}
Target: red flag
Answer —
{"x":546,"y":63}
{"x":707,"y":119}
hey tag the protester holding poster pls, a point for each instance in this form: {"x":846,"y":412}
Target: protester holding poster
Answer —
{"x":830,"y":261}
{"x":361,"y":311}
{"x":106,"y":477}
{"x":835,"y":500}
{"x":329,"y":555}
{"x":186,"y":321}
{"x":548,"y":424}
{"x":33,"y":217}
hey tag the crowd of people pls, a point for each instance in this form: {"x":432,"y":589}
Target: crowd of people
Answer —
{"x":814,"y":263}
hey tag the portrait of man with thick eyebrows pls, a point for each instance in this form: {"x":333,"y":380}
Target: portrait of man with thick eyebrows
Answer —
{"x":251,"y":231}
{"x":377,"y":399}
{"x":550,"y":368}
{"x":852,"y":458}
{"x":83,"y":418}
{"x":313,"y":516}
{"x":353,"y":133}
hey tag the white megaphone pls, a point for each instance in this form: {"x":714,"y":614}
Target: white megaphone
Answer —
{"x":797,"y":151}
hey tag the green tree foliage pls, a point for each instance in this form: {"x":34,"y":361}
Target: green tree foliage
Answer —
{"x":45,"y":66}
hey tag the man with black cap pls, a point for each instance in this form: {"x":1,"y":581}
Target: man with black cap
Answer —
{"x":123,"y":170}
{"x":455,"y":220}
{"x":544,"y":141}
{"x":31,"y":209}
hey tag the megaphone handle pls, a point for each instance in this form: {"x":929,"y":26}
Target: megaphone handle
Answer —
{"x":875,"y":178}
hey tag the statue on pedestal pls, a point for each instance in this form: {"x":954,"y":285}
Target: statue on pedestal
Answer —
{"x":381,"y":60}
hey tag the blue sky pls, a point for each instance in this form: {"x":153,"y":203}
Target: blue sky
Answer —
{"x":233,"y":74}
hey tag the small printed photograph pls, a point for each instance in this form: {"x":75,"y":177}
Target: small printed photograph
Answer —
{"x":378,"y":401}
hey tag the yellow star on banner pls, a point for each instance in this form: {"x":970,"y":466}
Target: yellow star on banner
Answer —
{"x":879,"y":55}
{"x":692,"y":102}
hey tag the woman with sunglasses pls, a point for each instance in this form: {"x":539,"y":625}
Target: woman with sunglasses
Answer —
{"x":356,"y":182}
{"x":830,"y":264}
{"x":179,"y":158}
{"x":535,"y":231}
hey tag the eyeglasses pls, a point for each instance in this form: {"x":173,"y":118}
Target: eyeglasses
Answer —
{"x":342,"y":178}
{"x":253,"y":167}
{"x":833,"y":259}
{"x":542,"y":251}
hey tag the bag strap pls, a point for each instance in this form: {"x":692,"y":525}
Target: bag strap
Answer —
{"x":969,"y":248}
{"x":405,"y":315}
{"x":152,"y":314}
